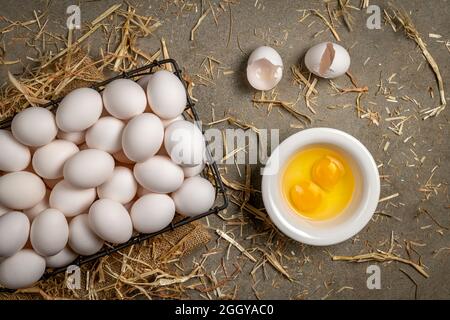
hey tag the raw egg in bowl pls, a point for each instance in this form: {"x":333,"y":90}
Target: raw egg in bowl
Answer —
{"x":320,"y":186}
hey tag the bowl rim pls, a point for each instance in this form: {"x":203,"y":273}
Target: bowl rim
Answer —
{"x":356,"y":150}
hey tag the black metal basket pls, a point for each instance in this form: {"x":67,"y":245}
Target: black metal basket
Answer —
{"x":221,"y":197}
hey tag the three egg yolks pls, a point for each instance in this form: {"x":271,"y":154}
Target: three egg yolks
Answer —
{"x":318,"y":183}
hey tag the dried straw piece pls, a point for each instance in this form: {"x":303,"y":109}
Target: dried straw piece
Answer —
{"x":235,"y":243}
{"x":300,"y":78}
{"x":78,"y":42}
{"x":288,"y":107}
{"x":403,"y":18}
{"x":327,"y":23}
{"x":199,"y":21}
{"x":165,"y":52}
{"x":381,"y":256}
{"x":277,"y":265}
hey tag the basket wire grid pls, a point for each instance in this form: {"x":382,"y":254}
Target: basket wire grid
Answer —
{"x":221,"y":197}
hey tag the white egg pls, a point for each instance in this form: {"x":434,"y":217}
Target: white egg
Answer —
{"x":167,"y":122}
{"x":75,"y":137}
{"x":106,"y":135}
{"x":159,"y":174}
{"x":34,"y":126}
{"x":14,"y":230}
{"x":124,"y":99}
{"x":21,"y":270}
{"x":327,"y":60}
{"x":14,"y":156}
{"x":88,"y":168}
{"x":48,"y":161}
{"x":166,"y":94}
{"x":21,"y":190}
{"x":110,"y":221}
{"x":61,"y":259}
{"x":121,"y":186}
{"x":122,"y":158}
{"x":70,"y":200}
{"x":195,"y":196}
{"x":152,"y":212}
{"x":49,"y":232}
{"x":264,"y":68}
{"x":82,"y":238}
{"x":193,"y":171}
{"x":142,"y":137}
{"x":38,"y":208}
{"x":79,"y":110}
{"x":184,"y":143}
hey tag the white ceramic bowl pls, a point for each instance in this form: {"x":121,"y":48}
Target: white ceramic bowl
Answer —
{"x":354,"y":217}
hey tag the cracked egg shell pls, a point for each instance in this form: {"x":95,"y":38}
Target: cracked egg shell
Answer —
{"x":327,"y":60}
{"x":264,"y":68}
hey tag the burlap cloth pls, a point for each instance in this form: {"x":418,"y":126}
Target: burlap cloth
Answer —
{"x":146,"y":269}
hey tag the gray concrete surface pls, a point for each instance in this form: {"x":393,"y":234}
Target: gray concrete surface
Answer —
{"x":316,"y":276}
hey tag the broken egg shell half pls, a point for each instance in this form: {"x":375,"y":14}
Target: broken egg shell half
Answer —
{"x":327,"y":60}
{"x":264,"y":68}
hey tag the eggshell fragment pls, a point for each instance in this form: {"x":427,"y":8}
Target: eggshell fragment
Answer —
{"x":71,"y":200}
{"x":110,"y":221}
{"x":61,"y":259}
{"x":327,"y":60}
{"x":49,"y":232}
{"x":142,"y":137}
{"x":159,"y":174}
{"x":82,"y":238}
{"x":192,"y":203}
{"x":48,"y":161}
{"x":21,"y":190}
{"x":34,"y":126}
{"x":184,"y":143}
{"x":264,"y":68}
{"x":88,"y":168}
{"x":152,"y":212}
{"x":14,"y":230}
{"x":21,"y":270}
{"x":124,"y":99}
{"x":14,"y":156}
{"x":121,"y":186}
{"x":106,"y":135}
{"x":166,"y":94}
{"x":79,"y":110}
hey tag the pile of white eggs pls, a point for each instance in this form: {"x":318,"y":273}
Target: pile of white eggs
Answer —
{"x":105,"y":166}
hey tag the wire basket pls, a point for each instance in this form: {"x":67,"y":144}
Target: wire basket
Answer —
{"x":221,"y":201}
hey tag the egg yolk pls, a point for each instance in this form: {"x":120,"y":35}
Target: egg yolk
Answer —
{"x":327,"y":171}
{"x":306,"y":196}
